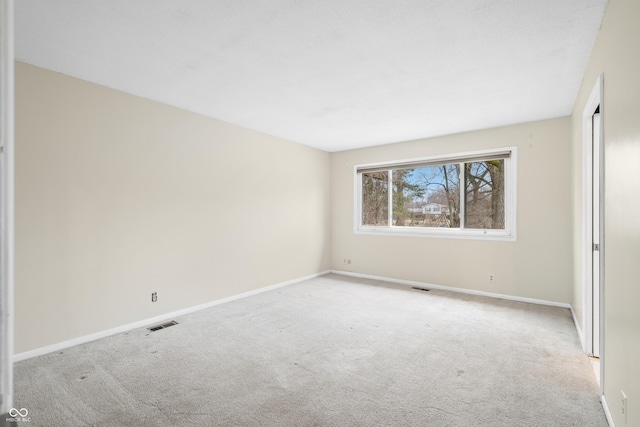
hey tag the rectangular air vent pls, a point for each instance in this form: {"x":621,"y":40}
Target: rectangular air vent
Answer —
{"x":164,"y":325}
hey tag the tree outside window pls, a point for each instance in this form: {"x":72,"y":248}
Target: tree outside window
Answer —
{"x":463,"y":195}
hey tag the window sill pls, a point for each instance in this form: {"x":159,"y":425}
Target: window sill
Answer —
{"x":491,"y":235}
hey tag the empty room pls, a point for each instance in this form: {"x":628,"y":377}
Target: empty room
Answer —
{"x":336,"y":213}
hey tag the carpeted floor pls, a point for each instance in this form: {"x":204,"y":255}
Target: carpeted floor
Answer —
{"x":331,"y":351}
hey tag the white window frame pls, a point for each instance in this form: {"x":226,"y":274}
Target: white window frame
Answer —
{"x":510,"y":177}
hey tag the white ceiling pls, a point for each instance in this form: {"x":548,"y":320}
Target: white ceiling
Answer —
{"x":332,"y":74}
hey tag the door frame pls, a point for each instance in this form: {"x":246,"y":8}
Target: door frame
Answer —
{"x":591,"y":326}
{"x":6,"y":204}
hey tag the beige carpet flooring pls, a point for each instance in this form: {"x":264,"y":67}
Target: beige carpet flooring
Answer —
{"x":331,"y":351}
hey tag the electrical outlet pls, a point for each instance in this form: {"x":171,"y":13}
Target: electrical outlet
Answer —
{"x":346,"y":261}
{"x":154,"y":296}
{"x":624,"y":406}
{"x":492,"y":278}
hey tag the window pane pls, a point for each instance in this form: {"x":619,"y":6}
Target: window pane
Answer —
{"x":375,"y":198}
{"x":484,"y":194}
{"x":427,"y":196}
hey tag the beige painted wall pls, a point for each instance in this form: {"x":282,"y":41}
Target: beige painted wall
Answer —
{"x":538,"y":265}
{"x":118,"y":197}
{"x":616,"y":54}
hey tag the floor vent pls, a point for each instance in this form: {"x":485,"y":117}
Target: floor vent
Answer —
{"x":420,"y":289}
{"x":164,"y":325}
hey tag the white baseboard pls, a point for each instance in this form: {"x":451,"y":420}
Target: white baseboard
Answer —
{"x":146,"y":322}
{"x":453,"y":289}
{"x":607,"y":412}
{"x":579,"y":331}
{"x":158,"y":319}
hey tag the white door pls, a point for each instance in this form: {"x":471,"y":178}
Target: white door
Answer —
{"x":595,"y":263}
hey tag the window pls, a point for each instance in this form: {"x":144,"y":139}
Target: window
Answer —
{"x":468,"y":195}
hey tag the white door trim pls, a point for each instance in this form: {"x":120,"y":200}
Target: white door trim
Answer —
{"x":6,"y":204}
